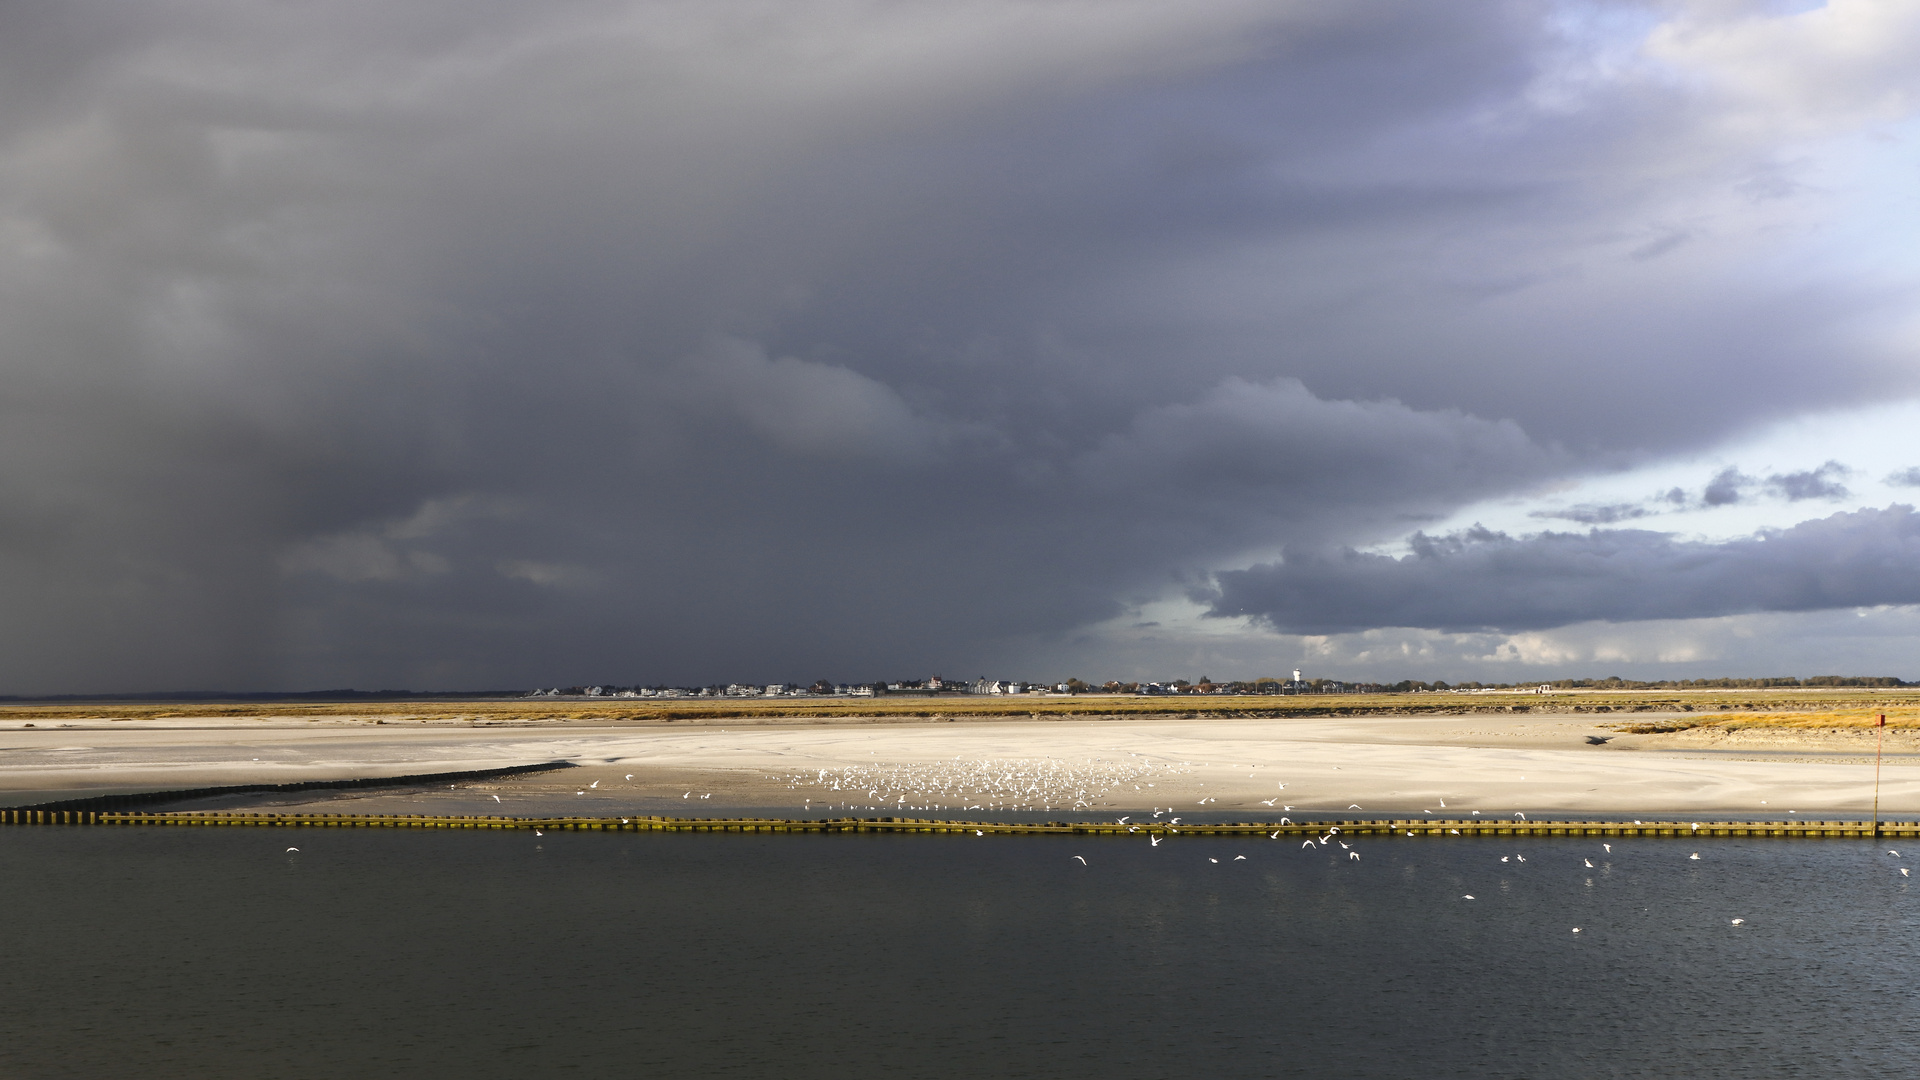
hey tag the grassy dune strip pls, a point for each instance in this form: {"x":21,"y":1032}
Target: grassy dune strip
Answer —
{"x":1850,"y":702}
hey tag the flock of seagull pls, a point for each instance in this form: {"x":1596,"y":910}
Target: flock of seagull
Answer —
{"x":1332,"y":835}
{"x":960,"y":784}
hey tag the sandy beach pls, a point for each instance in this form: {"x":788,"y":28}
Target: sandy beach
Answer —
{"x":1390,"y":765}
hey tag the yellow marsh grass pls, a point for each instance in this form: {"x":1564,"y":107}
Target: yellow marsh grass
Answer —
{"x":1898,"y":716}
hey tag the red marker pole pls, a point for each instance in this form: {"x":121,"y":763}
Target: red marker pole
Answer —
{"x":1877,"y":743}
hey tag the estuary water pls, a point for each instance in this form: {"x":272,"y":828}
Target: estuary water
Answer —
{"x":172,"y":952}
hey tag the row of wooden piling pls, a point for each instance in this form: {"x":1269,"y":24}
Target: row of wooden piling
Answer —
{"x":1401,"y":827}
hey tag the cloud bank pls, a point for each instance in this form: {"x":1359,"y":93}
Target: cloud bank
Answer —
{"x":1481,"y":580}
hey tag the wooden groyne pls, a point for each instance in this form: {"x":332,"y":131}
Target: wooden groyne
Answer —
{"x":1413,"y":828}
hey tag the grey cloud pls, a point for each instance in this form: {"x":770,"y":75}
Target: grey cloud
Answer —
{"x":1301,"y":468}
{"x":1821,"y":483}
{"x":1591,"y":514}
{"x":1725,"y":487}
{"x":1482,"y":580}
{"x":1908,"y":477}
{"x":1730,"y":485}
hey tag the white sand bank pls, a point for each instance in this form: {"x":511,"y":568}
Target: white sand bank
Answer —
{"x":1400,"y":766}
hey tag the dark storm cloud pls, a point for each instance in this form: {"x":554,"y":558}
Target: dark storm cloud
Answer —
{"x":468,"y":344}
{"x":1482,"y":580}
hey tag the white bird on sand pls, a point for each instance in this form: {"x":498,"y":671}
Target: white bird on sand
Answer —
{"x":1082,"y":859}
{"x":496,"y":798}
{"x":1354,"y":855}
{"x":1576,"y":929}
{"x":1239,"y":858}
{"x":1353,"y":806}
{"x":977,"y":832}
{"x":1695,"y":856}
{"x":1519,"y":858}
{"x":1903,"y":872}
{"x":1895,"y":854}
{"x":1609,"y":848}
{"x":293,"y":849}
{"x":1211,"y":859}
{"x":629,"y":776}
{"x":1503,"y":858}
{"x":1589,"y":863}
{"x":1737,"y":922}
{"x":1443,"y":804}
{"x":1469,"y":896}
{"x":1520,"y":815}
{"x":688,"y":795}
{"x":579,"y":793}
{"x":1275,"y":835}
{"x":1308,"y":845}
{"x":1286,"y":808}
{"x":1269,"y":802}
{"x":537,"y":832}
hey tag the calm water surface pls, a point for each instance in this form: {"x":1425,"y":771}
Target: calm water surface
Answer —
{"x":216,"y":953}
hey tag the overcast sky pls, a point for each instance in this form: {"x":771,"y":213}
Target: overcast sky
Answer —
{"x":487,"y":344}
